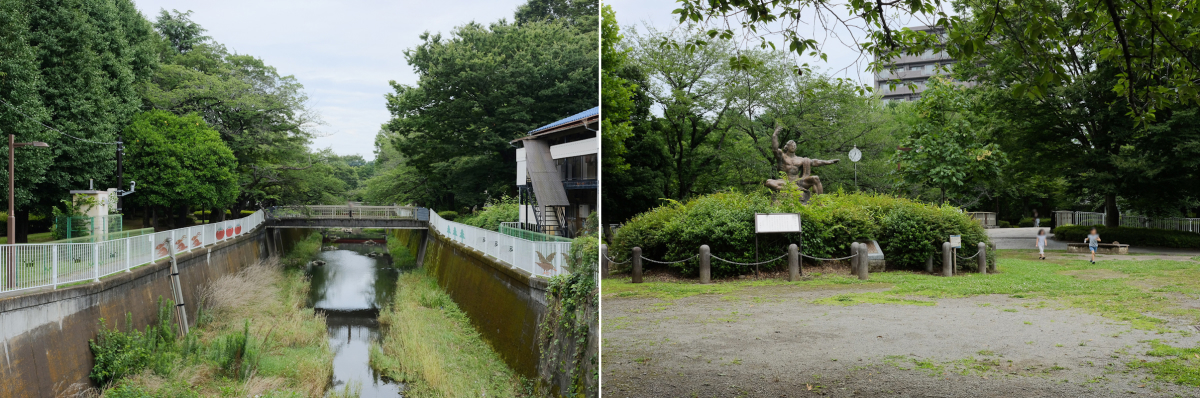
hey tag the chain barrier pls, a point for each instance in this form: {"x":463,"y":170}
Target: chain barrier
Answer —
{"x":610,"y":259}
{"x":968,"y":258}
{"x":830,"y":259}
{"x":670,"y":262}
{"x":758,"y":263}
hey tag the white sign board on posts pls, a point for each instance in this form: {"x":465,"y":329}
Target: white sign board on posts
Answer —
{"x":775,"y":223}
{"x":956,"y":241}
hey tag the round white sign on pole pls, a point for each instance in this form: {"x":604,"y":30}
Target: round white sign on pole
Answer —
{"x":855,"y":154}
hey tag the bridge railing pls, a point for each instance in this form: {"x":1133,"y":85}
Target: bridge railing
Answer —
{"x":54,"y":264}
{"x":538,"y":258}
{"x":337,"y":211}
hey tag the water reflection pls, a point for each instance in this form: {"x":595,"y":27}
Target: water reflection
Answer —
{"x":350,"y":288}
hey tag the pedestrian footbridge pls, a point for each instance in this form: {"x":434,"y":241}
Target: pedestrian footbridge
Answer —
{"x":388,"y":217}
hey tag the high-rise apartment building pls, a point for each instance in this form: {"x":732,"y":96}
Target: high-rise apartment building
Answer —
{"x":914,"y":70}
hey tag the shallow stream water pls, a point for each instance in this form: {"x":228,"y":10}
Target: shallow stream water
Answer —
{"x":350,"y":289}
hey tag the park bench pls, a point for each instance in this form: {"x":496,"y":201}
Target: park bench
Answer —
{"x":1103,"y":248}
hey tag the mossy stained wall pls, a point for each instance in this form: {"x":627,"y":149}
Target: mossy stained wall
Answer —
{"x":44,"y":336}
{"x":504,"y":304}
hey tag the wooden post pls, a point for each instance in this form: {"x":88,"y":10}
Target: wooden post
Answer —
{"x":947,"y":261}
{"x":637,"y":265}
{"x":794,"y":272}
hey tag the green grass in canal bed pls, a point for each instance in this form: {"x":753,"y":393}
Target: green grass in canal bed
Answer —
{"x":430,"y":344}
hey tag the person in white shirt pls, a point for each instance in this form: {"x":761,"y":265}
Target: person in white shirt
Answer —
{"x":1093,"y":240}
{"x":1041,"y":244}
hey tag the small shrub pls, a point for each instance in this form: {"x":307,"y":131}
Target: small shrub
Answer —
{"x":234,"y":354}
{"x":448,"y":215}
{"x":118,"y":354}
{"x":1130,"y":236}
{"x":1003,"y":224}
{"x":1028,"y":222}
{"x":504,"y":209}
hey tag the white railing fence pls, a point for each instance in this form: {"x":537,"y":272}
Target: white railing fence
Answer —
{"x":341,"y":211}
{"x":53,"y":264}
{"x":1092,"y":218}
{"x":538,"y":258}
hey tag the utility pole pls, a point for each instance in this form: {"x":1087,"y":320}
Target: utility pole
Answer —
{"x":11,"y":280}
{"x":120,"y":172}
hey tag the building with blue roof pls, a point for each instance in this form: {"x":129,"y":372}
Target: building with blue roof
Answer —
{"x":558,"y":174}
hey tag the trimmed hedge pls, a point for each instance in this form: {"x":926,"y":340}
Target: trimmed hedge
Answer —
{"x":1027,"y":222}
{"x":1130,"y":236}
{"x":909,"y":231}
{"x":448,"y":215}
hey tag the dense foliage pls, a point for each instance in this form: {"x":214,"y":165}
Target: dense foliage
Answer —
{"x":496,"y":211}
{"x":180,"y":161}
{"x":1130,"y":236}
{"x":572,"y":316}
{"x":909,"y":232}
{"x":478,"y":88}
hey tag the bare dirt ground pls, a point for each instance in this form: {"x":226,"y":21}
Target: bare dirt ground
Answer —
{"x":773,"y":341}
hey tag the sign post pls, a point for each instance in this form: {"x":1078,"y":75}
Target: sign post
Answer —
{"x":955,"y":244}
{"x":775,"y":223}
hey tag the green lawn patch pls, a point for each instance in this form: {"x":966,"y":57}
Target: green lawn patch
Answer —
{"x":1179,"y":365}
{"x":870,"y":298}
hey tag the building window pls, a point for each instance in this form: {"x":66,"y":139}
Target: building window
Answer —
{"x":577,"y":167}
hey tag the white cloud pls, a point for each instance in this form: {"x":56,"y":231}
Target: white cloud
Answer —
{"x":343,"y":52}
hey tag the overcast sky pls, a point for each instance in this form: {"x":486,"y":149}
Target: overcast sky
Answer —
{"x":343,"y":52}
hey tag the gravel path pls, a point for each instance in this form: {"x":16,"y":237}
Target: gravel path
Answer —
{"x":774,"y":342}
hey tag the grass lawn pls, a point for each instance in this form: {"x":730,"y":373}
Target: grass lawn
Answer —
{"x":33,"y":238}
{"x":1141,"y":293}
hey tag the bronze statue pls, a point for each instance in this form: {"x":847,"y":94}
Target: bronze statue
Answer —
{"x":798,"y":169}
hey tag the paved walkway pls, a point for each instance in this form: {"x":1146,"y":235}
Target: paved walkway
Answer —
{"x":1025,"y":238}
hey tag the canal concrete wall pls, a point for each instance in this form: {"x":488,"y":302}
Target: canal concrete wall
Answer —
{"x":504,"y":304}
{"x":44,"y":335}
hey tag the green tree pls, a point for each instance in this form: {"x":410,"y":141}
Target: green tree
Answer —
{"x":91,"y":55}
{"x":578,"y":13}
{"x":944,"y":149}
{"x":22,"y":109}
{"x":179,"y":30}
{"x":616,"y":94}
{"x":479,"y":89}
{"x":1153,"y":46}
{"x":179,"y":161}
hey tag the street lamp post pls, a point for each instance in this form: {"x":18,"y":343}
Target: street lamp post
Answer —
{"x":12,"y":226}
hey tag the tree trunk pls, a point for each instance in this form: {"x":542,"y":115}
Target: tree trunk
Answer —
{"x":154,"y":217}
{"x":146,"y":217}
{"x":22,"y":219}
{"x":218,"y":214}
{"x":1111,"y":217}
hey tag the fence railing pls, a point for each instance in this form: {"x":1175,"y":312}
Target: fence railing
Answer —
{"x":375,"y":212}
{"x":1092,"y":218}
{"x":987,"y":219}
{"x":523,"y":231}
{"x":537,"y":258}
{"x":31,"y":266}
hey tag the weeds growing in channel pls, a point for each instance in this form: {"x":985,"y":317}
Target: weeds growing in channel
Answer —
{"x":254,"y":337}
{"x":430,"y":344}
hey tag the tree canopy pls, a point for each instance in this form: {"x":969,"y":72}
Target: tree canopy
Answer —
{"x":179,"y":161}
{"x":479,"y":88}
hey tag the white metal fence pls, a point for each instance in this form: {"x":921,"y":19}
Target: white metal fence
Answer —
{"x":376,"y":212}
{"x":30,"y":266}
{"x":1091,"y":218}
{"x":538,"y":258}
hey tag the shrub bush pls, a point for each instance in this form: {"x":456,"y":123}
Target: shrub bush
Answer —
{"x":908,"y":231}
{"x":1003,"y":224}
{"x":1027,"y":222}
{"x":1131,"y":236}
{"x":448,"y":215}
{"x":504,"y":209}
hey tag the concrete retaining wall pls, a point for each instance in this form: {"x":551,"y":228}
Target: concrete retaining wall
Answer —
{"x":504,"y":304}
{"x":44,"y":335}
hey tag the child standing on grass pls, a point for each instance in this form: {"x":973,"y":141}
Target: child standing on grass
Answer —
{"x":1093,"y":240}
{"x":1041,"y":244}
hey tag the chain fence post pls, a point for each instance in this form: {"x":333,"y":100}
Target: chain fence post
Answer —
{"x":982,"y":258}
{"x":637,"y":265}
{"x":705,"y":264}
{"x":793,"y":254}
{"x":864,"y":263}
{"x":947,"y":261}
{"x":604,"y":263}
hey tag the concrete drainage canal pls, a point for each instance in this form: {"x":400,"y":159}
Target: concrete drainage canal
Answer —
{"x":350,"y":284}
